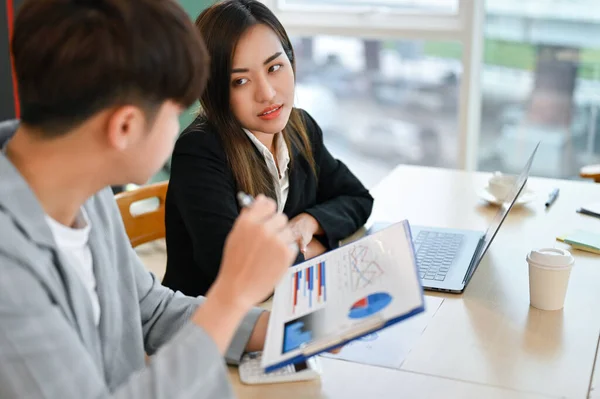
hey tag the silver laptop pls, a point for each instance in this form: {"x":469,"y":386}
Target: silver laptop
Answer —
{"x":447,"y":258}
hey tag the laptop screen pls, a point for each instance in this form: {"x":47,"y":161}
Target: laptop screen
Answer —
{"x":506,"y":206}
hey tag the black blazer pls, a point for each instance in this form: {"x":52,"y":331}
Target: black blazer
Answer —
{"x":201,"y":204}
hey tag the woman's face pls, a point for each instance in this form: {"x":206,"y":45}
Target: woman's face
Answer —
{"x":262,"y":82}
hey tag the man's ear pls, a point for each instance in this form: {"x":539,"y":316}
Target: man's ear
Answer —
{"x":126,"y":125}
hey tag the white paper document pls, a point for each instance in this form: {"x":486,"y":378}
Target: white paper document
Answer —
{"x":342,"y":295}
{"x":390,"y":347}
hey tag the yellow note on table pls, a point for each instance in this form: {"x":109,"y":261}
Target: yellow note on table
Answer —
{"x":583,"y":240}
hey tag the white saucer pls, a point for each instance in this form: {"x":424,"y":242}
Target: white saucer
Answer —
{"x":526,"y":197}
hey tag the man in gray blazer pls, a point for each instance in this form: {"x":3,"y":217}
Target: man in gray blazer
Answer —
{"x":101,"y":85}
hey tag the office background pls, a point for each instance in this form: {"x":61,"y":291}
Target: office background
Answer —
{"x":451,"y":83}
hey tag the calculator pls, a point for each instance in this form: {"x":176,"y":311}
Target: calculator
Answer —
{"x":251,"y":371}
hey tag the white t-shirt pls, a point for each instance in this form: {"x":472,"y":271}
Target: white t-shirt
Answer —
{"x":281,"y":178}
{"x":74,"y":246}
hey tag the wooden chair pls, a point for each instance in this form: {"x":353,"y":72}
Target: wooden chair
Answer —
{"x":148,"y":226}
{"x":591,"y":172}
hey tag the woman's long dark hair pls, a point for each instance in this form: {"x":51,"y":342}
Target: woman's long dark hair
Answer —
{"x":221,"y":26}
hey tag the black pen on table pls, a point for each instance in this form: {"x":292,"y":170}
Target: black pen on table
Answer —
{"x":552,"y":197}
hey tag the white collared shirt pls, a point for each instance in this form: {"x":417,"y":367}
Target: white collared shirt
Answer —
{"x":74,"y":246}
{"x":281,"y":177}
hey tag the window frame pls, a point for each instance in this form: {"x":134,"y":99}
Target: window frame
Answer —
{"x":466,"y":27}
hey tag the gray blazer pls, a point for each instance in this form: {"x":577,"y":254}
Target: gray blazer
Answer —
{"x":49,"y":344}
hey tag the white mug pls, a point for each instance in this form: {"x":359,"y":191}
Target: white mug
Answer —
{"x":501,"y":185}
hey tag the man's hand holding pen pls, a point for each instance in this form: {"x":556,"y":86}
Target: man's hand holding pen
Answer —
{"x":252,"y":268}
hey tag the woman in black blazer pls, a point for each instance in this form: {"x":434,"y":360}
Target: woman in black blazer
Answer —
{"x":250,"y":138}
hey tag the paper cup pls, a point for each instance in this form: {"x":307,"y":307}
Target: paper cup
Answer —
{"x":549,"y":272}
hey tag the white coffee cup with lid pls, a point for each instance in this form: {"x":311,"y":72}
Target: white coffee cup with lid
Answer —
{"x":549,"y":272}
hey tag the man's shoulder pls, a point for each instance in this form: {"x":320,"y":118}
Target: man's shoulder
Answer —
{"x":18,"y":243}
{"x":7,"y":129}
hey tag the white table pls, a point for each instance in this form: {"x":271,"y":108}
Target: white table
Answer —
{"x":487,"y":342}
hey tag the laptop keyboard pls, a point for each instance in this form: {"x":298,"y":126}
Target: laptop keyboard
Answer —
{"x":435,"y":253}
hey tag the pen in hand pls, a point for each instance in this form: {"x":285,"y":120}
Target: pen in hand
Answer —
{"x":246,"y":200}
{"x":552,"y":197}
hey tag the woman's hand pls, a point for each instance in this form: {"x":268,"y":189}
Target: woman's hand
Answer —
{"x":304,"y":227}
{"x":314,"y":248}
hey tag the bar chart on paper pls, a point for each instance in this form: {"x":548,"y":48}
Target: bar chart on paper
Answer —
{"x":309,"y":289}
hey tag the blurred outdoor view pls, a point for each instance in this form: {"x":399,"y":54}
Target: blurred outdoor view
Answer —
{"x":385,"y":102}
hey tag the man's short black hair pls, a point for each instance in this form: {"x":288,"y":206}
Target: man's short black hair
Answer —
{"x":74,"y":58}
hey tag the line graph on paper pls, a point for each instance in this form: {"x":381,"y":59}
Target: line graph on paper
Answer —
{"x":364,"y":267}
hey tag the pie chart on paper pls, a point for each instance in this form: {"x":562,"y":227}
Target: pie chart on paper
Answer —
{"x":369,"y":305}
